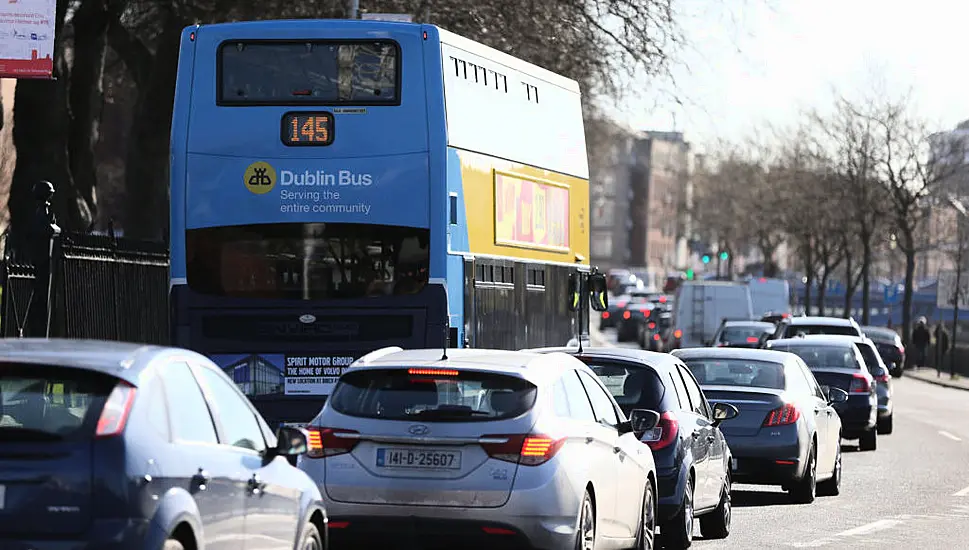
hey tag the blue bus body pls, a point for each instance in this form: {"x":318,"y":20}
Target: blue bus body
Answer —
{"x":317,"y":218}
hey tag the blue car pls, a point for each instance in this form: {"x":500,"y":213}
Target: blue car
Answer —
{"x":119,"y":446}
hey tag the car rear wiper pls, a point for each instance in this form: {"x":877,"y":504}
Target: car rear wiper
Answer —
{"x":14,"y":433}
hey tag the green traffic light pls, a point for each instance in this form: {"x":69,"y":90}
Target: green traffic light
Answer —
{"x":706,"y":259}
{"x":689,"y":274}
{"x":724,"y":255}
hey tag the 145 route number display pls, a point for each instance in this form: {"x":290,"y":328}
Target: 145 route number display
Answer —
{"x":307,"y":128}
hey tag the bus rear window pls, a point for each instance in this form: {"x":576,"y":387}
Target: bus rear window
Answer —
{"x":307,"y":261}
{"x":437,"y":395}
{"x":309,"y":73}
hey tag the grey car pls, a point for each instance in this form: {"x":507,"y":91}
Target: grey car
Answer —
{"x":481,"y":449}
{"x":113,"y":446}
{"x":787,"y":432}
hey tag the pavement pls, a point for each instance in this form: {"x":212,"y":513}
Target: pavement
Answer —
{"x":944,"y":379}
{"x":913,"y":492}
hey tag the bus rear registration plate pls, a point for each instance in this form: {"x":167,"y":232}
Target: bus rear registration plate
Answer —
{"x":420,"y":459}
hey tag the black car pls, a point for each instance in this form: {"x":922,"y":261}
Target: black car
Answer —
{"x":742,"y":334}
{"x":632,"y":320}
{"x":890,"y":347}
{"x":655,"y":332}
{"x":837,"y":362}
{"x":693,"y":461}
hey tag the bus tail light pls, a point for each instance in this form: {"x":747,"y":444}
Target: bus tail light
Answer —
{"x":524,"y":449}
{"x":677,"y":334}
{"x":327,"y":442}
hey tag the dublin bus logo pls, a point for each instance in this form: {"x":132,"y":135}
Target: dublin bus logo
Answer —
{"x":260,"y":178}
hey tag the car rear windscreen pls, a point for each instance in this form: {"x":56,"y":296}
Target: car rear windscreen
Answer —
{"x":737,"y":372}
{"x":432,"y":394}
{"x":41,"y":403}
{"x":823,"y":357}
{"x":808,"y":330}
{"x":632,"y":387}
{"x":742,"y":334}
{"x":875,"y":366}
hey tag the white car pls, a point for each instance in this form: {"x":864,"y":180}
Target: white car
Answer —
{"x":481,"y":449}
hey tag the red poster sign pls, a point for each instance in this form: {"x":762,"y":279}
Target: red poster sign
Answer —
{"x":27,"y":38}
{"x":531,"y":214}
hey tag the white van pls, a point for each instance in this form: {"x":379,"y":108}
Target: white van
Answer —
{"x":770,"y":296}
{"x":702,"y":305}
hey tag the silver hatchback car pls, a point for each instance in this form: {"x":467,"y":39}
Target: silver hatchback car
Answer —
{"x":481,"y":449}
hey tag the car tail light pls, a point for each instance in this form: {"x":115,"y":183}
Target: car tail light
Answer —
{"x":524,"y":449}
{"x":782,"y":416}
{"x":677,"y":334}
{"x":651,"y":325}
{"x":497,"y":531}
{"x":662,"y":299}
{"x":647,"y":313}
{"x":327,"y":442}
{"x":752,"y":340}
{"x":114,"y":416}
{"x":656,"y":337}
{"x":664,"y":434}
{"x":626,"y":315}
{"x":605,"y":314}
{"x":859,"y":384}
{"x":883,"y":377}
{"x":901,"y":349}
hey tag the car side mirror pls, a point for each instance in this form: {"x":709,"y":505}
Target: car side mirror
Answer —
{"x":724,"y":411}
{"x":598,"y":293}
{"x":642,"y":421}
{"x":835,"y":395}
{"x":291,"y":441}
{"x":575,"y":291}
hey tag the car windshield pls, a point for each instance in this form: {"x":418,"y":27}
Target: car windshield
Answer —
{"x":632,"y":386}
{"x":743,"y":333}
{"x":737,"y":372}
{"x":440,"y":395}
{"x":50,"y":403}
{"x":808,"y":330}
{"x":822,"y":357}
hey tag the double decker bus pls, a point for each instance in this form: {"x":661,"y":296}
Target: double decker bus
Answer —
{"x":341,"y":186}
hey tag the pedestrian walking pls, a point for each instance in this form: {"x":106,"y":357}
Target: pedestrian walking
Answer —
{"x":921,"y":338}
{"x":941,"y":346}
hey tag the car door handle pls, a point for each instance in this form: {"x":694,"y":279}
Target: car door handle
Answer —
{"x":256,"y":485}
{"x":201,"y":479}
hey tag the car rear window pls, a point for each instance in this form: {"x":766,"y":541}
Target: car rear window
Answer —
{"x":432,"y":394}
{"x":632,"y":386}
{"x":807,"y":330}
{"x":741,"y":334}
{"x":820,"y":357}
{"x":39,"y":403}
{"x":871,"y":360}
{"x":737,"y":372}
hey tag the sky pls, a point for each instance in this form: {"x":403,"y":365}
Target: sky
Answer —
{"x":751,"y":62}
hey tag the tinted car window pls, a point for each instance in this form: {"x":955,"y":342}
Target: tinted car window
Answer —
{"x":157,"y":409}
{"x":579,"y":405}
{"x":696,"y":396}
{"x":743,"y":334}
{"x":601,"y":404}
{"x":632,"y":387}
{"x":871,"y":359}
{"x":816,"y":357}
{"x":797,"y":382}
{"x":190,"y":417}
{"x":737,"y":372}
{"x":440,"y":395}
{"x":41,"y":402}
{"x":238,"y":420}
{"x":808,"y":330}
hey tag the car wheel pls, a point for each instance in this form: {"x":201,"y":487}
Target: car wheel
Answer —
{"x":311,"y":538}
{"x":647,"y":531}
{"x":832,"y":487}
{"x":677,"y":534}
{"x":885,"y":425}
{"x":716,"y":525}
{"x":868,"y":441}
{"x":805,"y":489}
{"x":172,"y":544}
{"x":585,"y":536}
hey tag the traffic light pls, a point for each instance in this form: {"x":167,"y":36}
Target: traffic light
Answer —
{"x":724,"y":255}
{"x":705,"y":258}
{"x":689,"y":274}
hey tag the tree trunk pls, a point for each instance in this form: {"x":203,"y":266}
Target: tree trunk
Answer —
{"x":809,"y":276}
{"x":866,"y":279}
{"x":849,"y":286}
{"x":908,"y":248}
{"x":41,"y":127}
{"x":147,"y":165}
{"x":823,"y":288}
{"x":87,"y":97}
